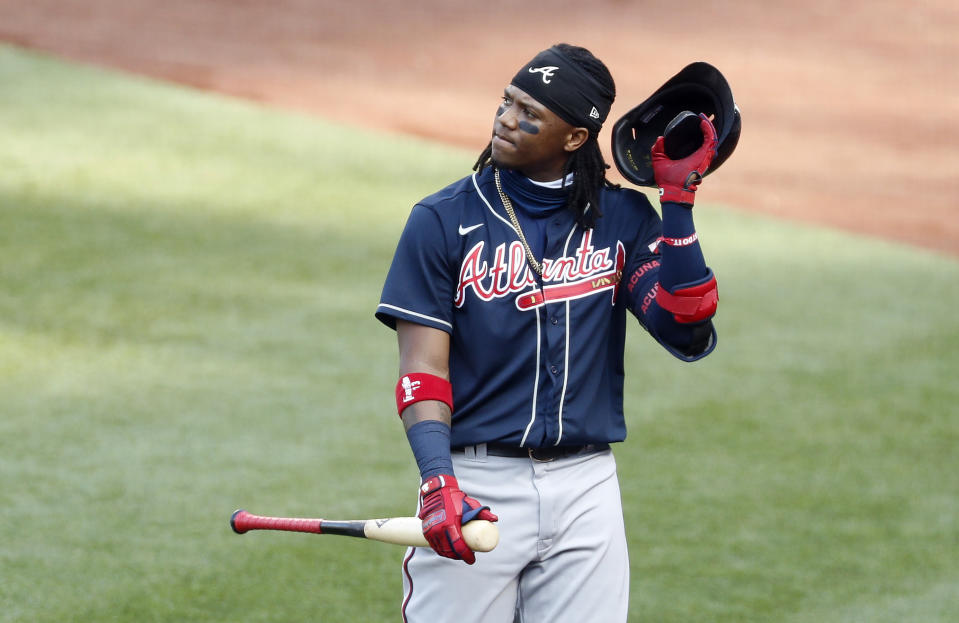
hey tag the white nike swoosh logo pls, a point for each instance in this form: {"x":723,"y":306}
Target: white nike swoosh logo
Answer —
{"x":466,"y":230}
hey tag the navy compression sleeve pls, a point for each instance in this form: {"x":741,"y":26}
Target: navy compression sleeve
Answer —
{"x":682,"y":259}
{"x":681,"y":264}
{"x":430,"y":442}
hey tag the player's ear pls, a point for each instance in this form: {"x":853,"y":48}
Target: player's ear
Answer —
{"x":575,"y":139}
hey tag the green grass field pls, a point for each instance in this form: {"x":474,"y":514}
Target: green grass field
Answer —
{"x":186,"y":294}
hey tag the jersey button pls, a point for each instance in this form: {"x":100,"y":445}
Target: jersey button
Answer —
{"x":554,"y":320}
{"x":554,"y":369}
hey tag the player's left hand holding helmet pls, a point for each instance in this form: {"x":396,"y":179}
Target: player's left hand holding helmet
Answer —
{"x":444,"y":510}
{"x":678,"y":179}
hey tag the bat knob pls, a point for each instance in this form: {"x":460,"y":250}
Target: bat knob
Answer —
{"x":233,"y":521}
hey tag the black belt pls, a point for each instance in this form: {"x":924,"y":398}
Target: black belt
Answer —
{"x":550,"y":453}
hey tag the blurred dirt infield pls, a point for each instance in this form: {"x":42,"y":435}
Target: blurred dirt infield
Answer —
{"x":849,"y":108}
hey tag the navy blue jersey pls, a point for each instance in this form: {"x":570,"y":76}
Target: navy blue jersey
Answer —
{"x":533,"y":361}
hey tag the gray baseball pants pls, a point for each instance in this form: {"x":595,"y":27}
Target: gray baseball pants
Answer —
{"x":562,"y":551}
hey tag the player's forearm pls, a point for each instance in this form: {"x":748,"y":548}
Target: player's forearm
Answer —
{"x":427,"y":410}
{"x":678,"y":267}
{"x":427,"y":425}
{"x":424,"y":358}
{"x":430,"y":443}
{"x":681,"y":256}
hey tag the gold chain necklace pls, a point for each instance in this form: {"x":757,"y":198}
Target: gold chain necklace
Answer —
{"x":536,"y":266}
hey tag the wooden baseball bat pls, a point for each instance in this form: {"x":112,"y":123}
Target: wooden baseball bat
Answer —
{"x":479,"y":534}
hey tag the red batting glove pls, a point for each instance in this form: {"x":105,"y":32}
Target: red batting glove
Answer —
{"x":442,"y":512}
{"x":678,"y":179}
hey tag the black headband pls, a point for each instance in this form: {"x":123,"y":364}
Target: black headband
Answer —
{"x":566,"y":89}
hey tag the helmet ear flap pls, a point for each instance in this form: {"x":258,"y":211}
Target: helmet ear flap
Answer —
{"x":700,"y":88}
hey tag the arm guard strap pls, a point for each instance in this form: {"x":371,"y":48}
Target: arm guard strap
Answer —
{"x":691,"y":302}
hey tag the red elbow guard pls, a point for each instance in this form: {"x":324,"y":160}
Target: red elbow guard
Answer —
{"x":692,"y":303}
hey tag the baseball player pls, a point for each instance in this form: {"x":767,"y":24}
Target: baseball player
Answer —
{"x":509,"y":293}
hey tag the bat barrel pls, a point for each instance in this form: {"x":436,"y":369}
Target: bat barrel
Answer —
{"x":481,"y":535}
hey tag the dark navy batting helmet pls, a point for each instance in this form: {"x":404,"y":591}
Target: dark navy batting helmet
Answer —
{"x":699,"y":88}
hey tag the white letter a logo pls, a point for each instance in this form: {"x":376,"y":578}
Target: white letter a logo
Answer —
{"x":546,"y":71}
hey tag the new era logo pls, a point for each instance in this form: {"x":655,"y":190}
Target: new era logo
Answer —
{"x":594,"y":113}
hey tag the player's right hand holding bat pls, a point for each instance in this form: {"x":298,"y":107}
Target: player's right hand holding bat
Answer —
{"x":444,"y":509}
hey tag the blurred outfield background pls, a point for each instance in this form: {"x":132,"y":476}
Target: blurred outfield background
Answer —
{"x":186,"y":295}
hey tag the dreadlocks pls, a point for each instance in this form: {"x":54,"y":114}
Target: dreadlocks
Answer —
{"x":586,"y":163}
